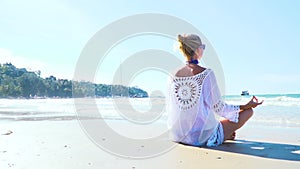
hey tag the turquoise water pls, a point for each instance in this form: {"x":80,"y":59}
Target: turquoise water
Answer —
{"x":280,"y":110}
{"x":277,"y":109}
{"x":267,"y":95}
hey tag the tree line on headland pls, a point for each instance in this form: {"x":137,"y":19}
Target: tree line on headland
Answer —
{"x":21,"y":83}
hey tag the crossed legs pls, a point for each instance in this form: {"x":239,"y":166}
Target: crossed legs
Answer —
{"x":229,"y":128}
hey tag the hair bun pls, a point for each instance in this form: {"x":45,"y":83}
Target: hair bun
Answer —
{"x":189,"y":43}
{"x":181,"y":38}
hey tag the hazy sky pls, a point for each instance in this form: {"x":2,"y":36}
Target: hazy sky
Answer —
{"x":256,"y":41}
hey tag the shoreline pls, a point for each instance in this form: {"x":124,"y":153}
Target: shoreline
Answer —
{"x":229,"y":95}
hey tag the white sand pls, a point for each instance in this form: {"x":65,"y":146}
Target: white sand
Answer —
{"x":63,"y":145}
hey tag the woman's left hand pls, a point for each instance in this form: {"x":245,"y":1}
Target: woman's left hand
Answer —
{"x":251,"y":104}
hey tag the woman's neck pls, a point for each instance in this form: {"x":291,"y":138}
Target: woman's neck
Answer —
{"x":192,"y":61}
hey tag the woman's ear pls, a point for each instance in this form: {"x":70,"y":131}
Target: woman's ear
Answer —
{"x":198,"y":53}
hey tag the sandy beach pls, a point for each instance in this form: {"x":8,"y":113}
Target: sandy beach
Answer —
{"x":63,"y":144}
{"x":91,"y":84}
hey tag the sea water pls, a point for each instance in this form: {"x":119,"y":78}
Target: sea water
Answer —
{"x":281,"y":110}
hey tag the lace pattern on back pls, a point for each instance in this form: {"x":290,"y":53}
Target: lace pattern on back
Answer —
{"x":187,"y":90}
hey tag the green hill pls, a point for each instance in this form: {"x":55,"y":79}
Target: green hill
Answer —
{"x":19,"y":82}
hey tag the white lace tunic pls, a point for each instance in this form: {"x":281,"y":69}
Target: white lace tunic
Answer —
{"x":194,"y":100}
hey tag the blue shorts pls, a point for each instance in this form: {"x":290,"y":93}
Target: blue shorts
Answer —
{"x":217,"y":137}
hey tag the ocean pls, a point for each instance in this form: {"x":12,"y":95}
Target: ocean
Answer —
{"x":278,"y":110}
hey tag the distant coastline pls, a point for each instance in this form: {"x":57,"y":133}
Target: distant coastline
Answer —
{"x":21,"y":83}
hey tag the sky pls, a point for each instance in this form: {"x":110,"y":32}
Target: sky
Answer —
{"x":257,"y":42}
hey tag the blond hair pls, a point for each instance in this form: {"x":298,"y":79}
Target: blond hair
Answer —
{"x":189,"y":44}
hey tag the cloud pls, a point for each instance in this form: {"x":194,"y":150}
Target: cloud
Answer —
{"x":7,"y":56}
{"x":60,"y":71}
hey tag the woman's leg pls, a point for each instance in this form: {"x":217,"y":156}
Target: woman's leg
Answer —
{"x":229,"y":127}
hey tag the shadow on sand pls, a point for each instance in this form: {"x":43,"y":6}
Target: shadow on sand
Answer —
{"x":261,"y":149}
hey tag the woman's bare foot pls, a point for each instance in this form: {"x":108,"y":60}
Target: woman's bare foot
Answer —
{"x":232,"y":136}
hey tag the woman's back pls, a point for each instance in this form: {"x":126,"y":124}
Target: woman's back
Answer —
{"x":189,"y":70}
{"x":190,"y":117}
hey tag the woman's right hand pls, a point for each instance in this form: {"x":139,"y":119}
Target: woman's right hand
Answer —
{"x":251,"y":104}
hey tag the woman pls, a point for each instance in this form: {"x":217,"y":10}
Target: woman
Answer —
{"x":195,"y":98}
